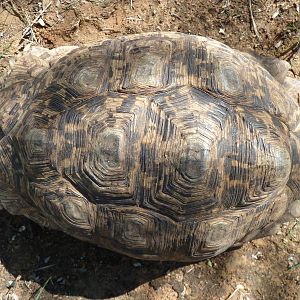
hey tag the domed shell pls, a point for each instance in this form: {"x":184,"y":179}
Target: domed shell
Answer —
{"x":159,"y":146}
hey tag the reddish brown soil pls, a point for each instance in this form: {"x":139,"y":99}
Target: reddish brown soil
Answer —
{"x":43,"y":264}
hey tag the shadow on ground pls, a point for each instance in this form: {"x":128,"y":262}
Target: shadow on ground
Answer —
{"x":74,"y":267}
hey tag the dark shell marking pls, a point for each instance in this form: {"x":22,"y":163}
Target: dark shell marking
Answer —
{"x":158,"y":146}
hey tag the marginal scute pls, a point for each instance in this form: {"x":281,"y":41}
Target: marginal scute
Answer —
{"x":12,"y":201}
{"x":219,"y":234}
{"x":77,"y":212}
{"x":229,"y":81}
{"x":216,"y":234}
{"x":87,"y":78}
{"x":147,"y":64}
{"x":85,"y":71}
{"x":7,"y":159}
{"x":135,"y":233}
{"x":144,"y":73}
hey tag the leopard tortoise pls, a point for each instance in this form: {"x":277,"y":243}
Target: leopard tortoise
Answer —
{"x":160,"y":146}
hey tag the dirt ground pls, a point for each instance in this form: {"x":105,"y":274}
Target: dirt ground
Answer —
{"x":36,"y":263}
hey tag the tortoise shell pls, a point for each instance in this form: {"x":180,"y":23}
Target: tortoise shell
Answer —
{"x":160,"y":146}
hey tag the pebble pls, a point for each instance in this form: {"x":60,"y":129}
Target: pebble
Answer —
{"x":22,"y":228}
{"x":11,"y":284}
{"x":222,"y":31}
{"x":137,"y":265}
{"x":278,"y":44}
{"x":47,"y":259}
{"x":158,"y":282}
{"x":178,"y":287}
{"x":257,"y":256}
{"x":295,"y":209}
{"x":61,"y":280}
{"x":275,"y":13}
{"x":292,"y":261}
{"x":11,"y":296}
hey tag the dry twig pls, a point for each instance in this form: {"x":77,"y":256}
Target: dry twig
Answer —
{"x":28,"y":29}
{"x":239,"y":290}
{"x":17,"y":13}
{"x":41,"y":289}
{"x":253,"y":21}
{"x":291,"y":52}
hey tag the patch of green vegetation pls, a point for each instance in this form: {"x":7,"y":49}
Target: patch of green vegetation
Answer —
{"x":291,"y":233}
{"x":294,"y":266}
{"x":41,"y":289}
{"x":4,"y":51}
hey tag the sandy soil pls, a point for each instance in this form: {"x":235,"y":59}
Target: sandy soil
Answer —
{"x":36,"y":263}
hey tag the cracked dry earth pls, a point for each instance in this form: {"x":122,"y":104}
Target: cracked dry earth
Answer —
{"x":37,"y":263}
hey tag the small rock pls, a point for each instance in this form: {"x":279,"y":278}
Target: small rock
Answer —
{"x":257,"y":256}
{"x":11,"y":284}
{"x":41,"y":22}
{"x":178,"y":287}
{"x":137,"y":265}
{"x":292,"y":261}
{"x":11,"y":296}
{"x":166,"y":292}
{"x":173,"y":11}
{"x":47,"y":259}
{"x":183,"y":293}
{"x":178,"y":276}
{"x":61,"y":280}
{"x":158,"y":282}
{"x":27,"y":283}
{"x":278,"y":44}
{"x":22,"y":228}
{"x":275,"y":13}
{"x":222,"y":31}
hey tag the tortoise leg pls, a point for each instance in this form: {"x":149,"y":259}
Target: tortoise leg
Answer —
{"x":30,"y":63}
{"x":285,"y":208}
{"x":276,"y":67}
{"x":17,"y":205}
{"x":279,"y":70}
{"x":292,"y":85}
